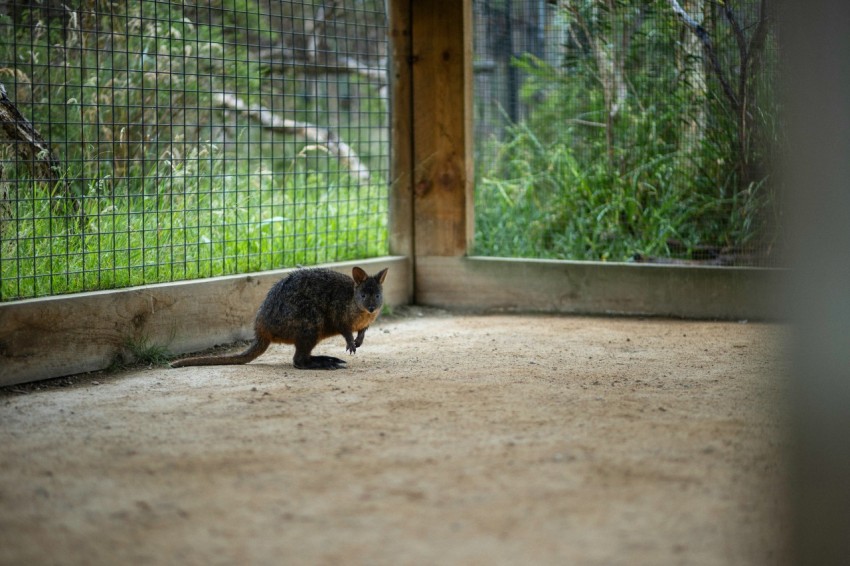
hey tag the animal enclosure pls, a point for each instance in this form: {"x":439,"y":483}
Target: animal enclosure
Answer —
{"x":462,"y":431}
{"x":152,"y":142}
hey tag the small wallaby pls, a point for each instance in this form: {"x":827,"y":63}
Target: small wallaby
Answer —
{"x":308,"y":306}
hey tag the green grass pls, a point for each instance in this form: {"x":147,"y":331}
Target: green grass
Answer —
{"x":189,"y":227}
{"x":548,"y":200}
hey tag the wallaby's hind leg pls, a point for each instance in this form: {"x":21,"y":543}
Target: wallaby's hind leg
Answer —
{"x":319,"y":362}
{"x":303,"y":360}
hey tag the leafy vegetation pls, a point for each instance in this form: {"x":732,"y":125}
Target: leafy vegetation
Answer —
{"x":630,"y":147}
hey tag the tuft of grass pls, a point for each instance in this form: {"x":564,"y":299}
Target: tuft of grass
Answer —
{"x":142,"y":351}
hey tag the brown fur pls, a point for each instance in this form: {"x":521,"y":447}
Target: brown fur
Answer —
{"x":306,"y":307}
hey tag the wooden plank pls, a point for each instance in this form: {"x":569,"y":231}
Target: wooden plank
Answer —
{"x":597,"y":288}
{"x":56,"y":336}
{"x":400,"y":221}
{"x":442,"y":126}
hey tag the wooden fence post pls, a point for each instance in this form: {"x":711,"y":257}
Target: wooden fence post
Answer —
{"x":442,"y":126}
{"x":401,"y":135}
{"x":431,"y":206}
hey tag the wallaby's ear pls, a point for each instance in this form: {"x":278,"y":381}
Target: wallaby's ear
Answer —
{"x":381,"y":275}
{"x":359,"y":275}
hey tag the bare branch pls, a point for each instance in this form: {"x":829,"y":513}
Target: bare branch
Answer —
{"x":312,"y":132}
{"x":736,"y":29}
{"x":588,"y":123}
{"x":708,"y":47}
{"x":756,"y":45}
{"x":279,"y":59}
{"x":629,"y":33}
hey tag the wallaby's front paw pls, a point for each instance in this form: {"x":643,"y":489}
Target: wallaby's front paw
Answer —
{"x":351,"y":348}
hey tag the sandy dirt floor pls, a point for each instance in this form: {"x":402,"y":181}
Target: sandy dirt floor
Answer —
{"x":449,"y":439}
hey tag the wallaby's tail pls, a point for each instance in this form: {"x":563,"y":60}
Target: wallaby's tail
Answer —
{"x":257,"y":347}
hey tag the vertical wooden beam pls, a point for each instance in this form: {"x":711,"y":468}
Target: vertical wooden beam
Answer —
{"x":441,"y":61}
{"x":401,"y":195}
{"x":401,"y":211}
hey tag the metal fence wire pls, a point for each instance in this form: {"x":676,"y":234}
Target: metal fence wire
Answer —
{"x":632,"y":130}
{"x":153,"y":141}
{"x":157,"y":141}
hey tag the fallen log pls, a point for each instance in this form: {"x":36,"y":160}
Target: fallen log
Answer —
{"x":317,"y":134}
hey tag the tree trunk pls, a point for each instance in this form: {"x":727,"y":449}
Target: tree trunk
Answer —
{"x":32,"y":149}
{"x":692,"y":68}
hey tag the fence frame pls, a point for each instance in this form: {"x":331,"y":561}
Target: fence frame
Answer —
{"x":432,"y":204}
{"x":430,"y":235}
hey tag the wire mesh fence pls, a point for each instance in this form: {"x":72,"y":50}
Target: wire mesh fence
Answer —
{"x":627,"y":131}
{"x":155,"y":141}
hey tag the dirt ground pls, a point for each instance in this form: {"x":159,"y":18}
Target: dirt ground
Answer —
{"x":449,"y":439}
